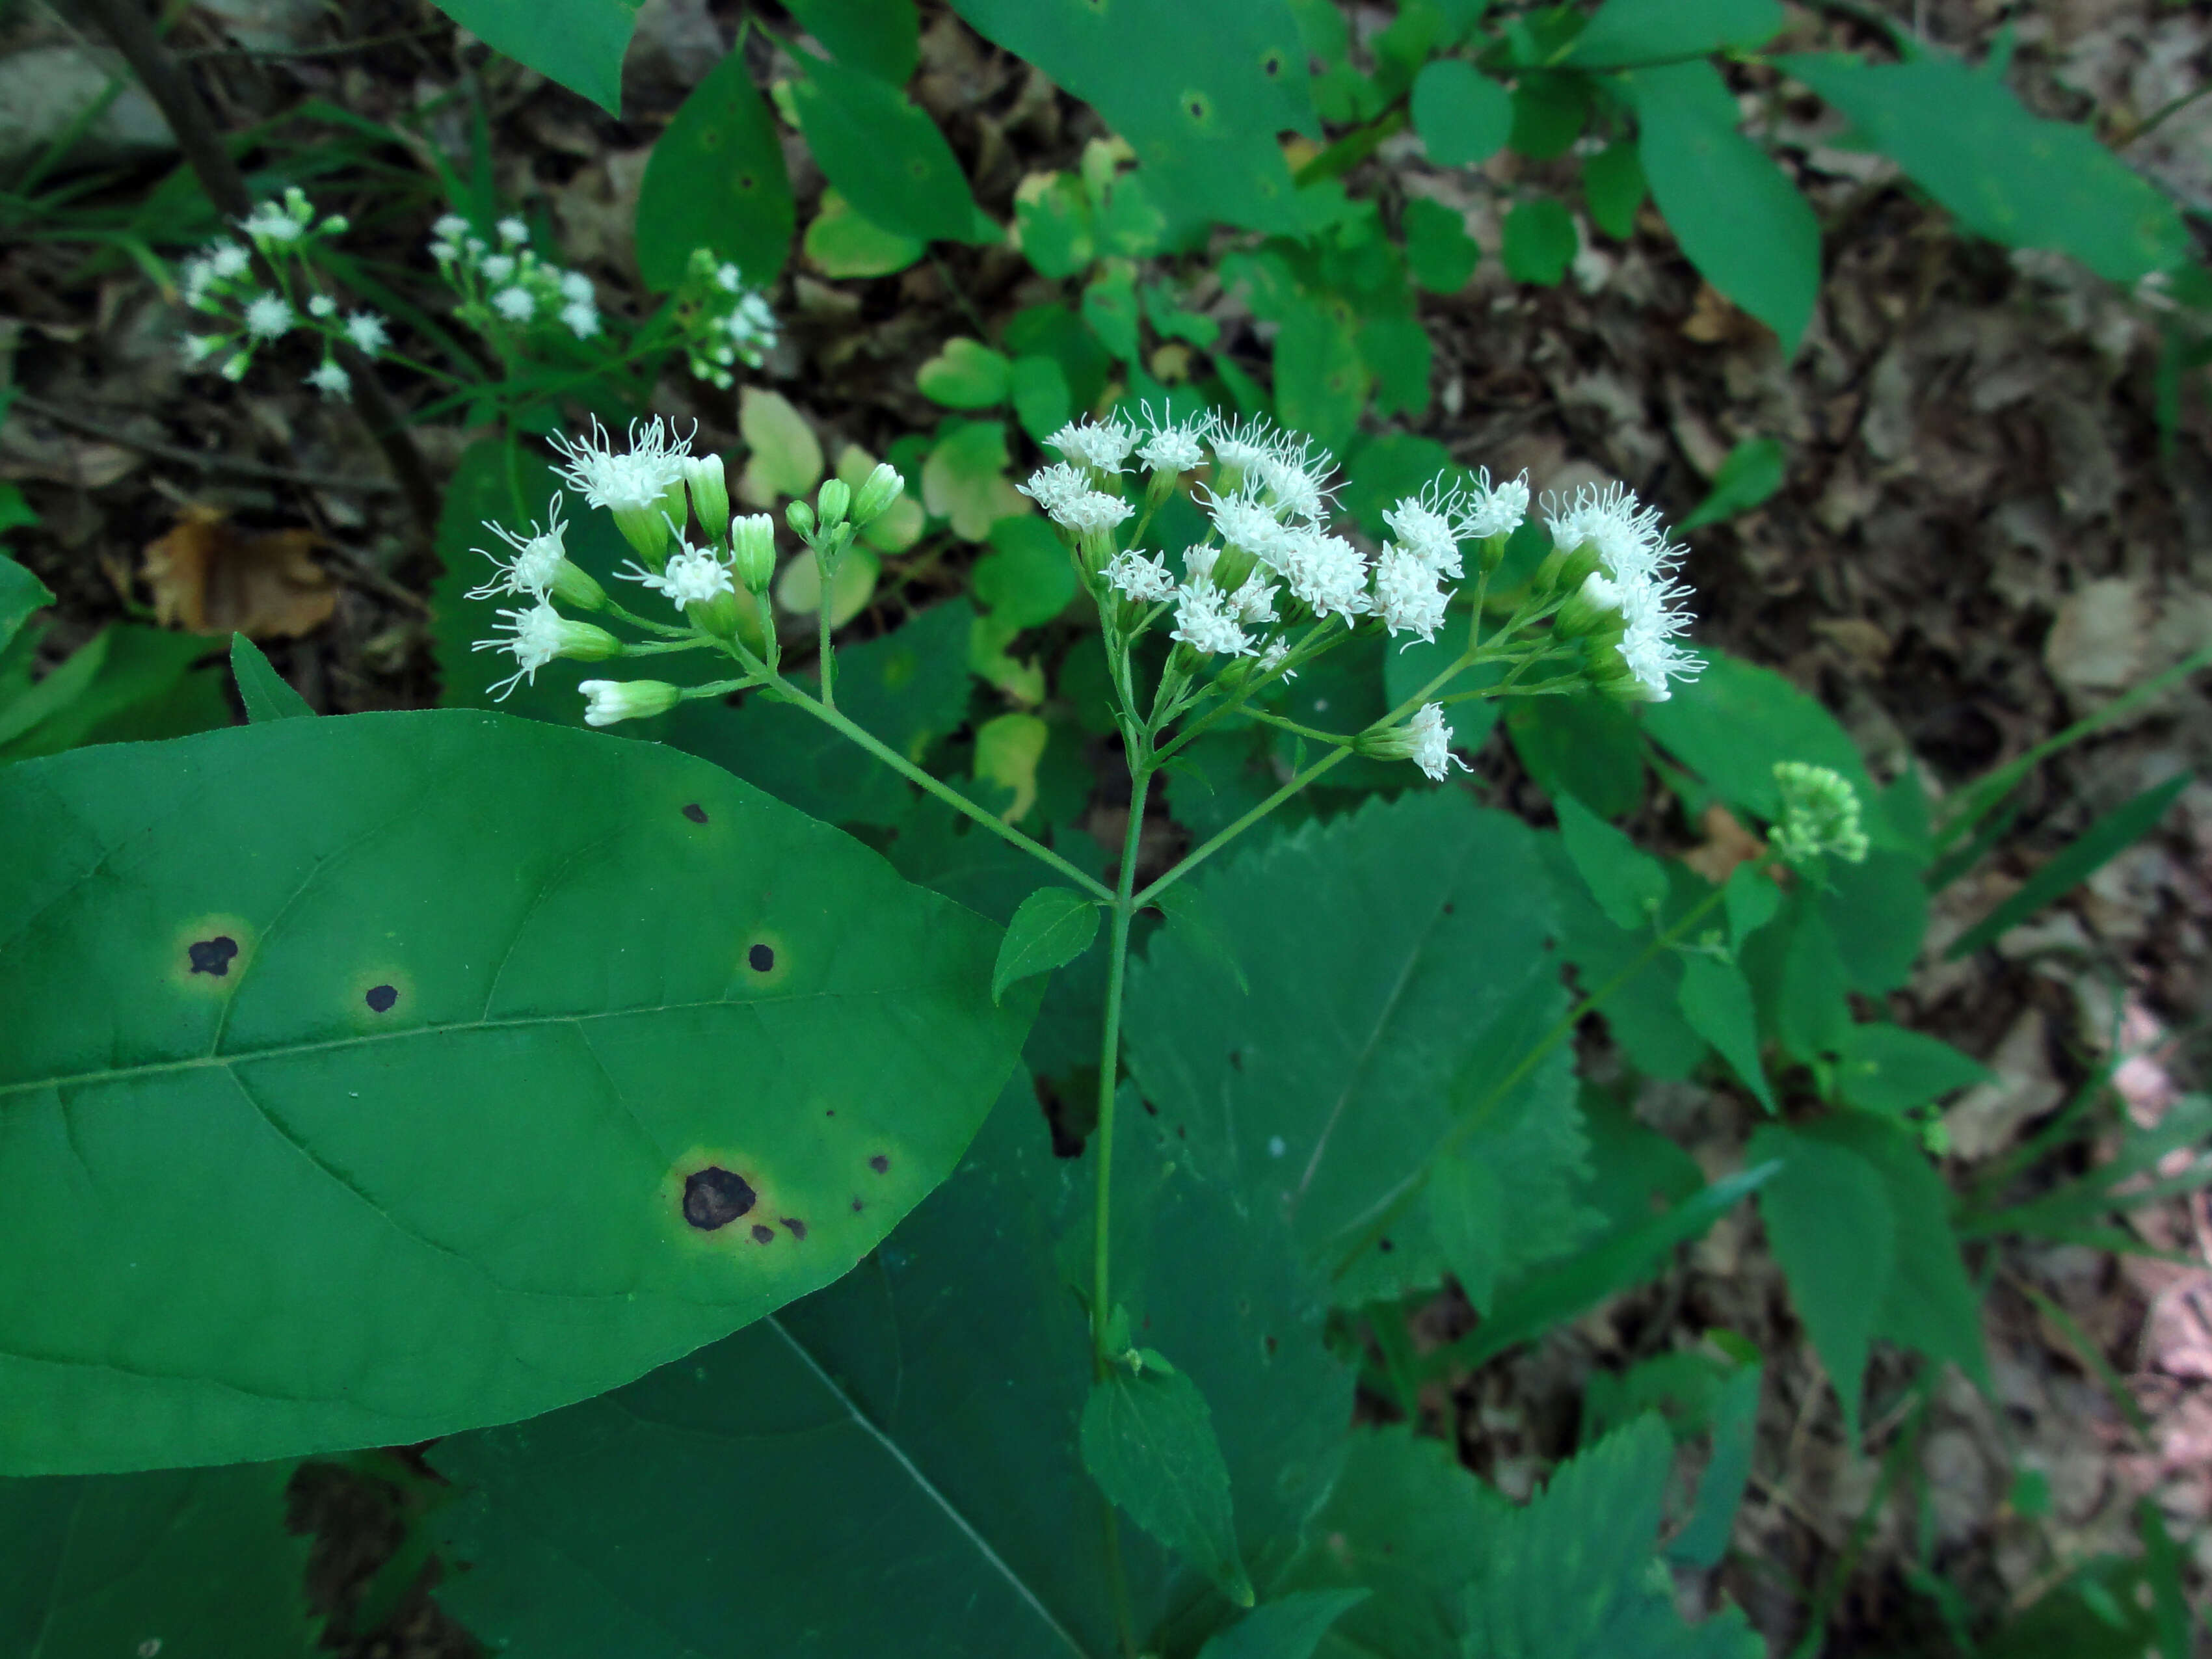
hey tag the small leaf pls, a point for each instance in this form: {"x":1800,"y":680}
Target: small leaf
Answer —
{"x":1703,"y":1538}
{"x":1439,"y":253}
{"x":964,"y":479}
{"x":21,"y":593}
{"x":1467,"y":1210}
{"x":1628,"y":884}
{"x":799,"y":586}
{"x":1148,"y":1442}
{"x":841,"y":243}
{"x":2082,"y":858}
{"x":1110,"y":306}
{"x":1026,"y":579}
{"x":579,"y":44}
{"x":882,"y":37}
{"x":716,"y":180}
{"x":1717,"y":1003}
{"x":1053,"y":224}
{"x":1463,"y":117}
{"x":1614,"y":188}
{"x":1625,"y":33}
{"x":786,"y":456}
{"x":965,"y":373}
{"x":1042,"y":403}
{"x":884,"y":154}
{"x":1887,"y":1068}
{"x":900,"y":524}
{"x":1191,"y":921}
{"x":1752,"y":897}
{"x":1289,"y":1627}
{"x":1321,"y":380}
{"x":1752,"y":472}
{"x":265,"y":693}
{"x":1054,"y":926}
{"x":1540,"y":241}
{"x":1008,"y":750}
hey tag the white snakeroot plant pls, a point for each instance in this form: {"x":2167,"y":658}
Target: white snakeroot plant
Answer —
{"x":1211,"y":636}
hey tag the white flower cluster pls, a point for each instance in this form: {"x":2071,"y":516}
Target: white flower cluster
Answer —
{"x":1633,"y":583}
{"x":221,"y":283}
{"x":724,"y":321}
{"x":505,"y":286}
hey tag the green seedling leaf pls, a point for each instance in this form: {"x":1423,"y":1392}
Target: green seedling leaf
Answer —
{"x":265,"y":693}
{"x":21,"y":593}
{"x":1148,"y":1442}
{"x":787,"y":457}
{"x":2010,"y":176}
{"x":882,"y":37}
{"x":1289,"y":1627}
{"x":1833,"y":1228}
{"x":1626,"y":33}
{"x":1739,"y":219}
{"x":2089,"y":852}
{"x":1887,"y":1068}
{"x":1463,"y":115}
{"x":1703,"y":1538}
{"x":1042,"y":403}
{"x":579,"y":44}
{"x":1752,"y":473}
{"x":183,"y":1562}
{"x":964,"y":479}
{"x":965,"y":373}
{"x":1752,"y":897}
{"x":556,"y":1103}
{"x":1190,"y":917}
{"x":1628,"y":884}
{"x":1439,"y":253}
{"x":1540,"y":241}
{"x":799,"y":585}
{"x":1614,"y":188}
{"x":883,"y":155}
{"x":1467,"y":1213}
{"x":1717,"y":1002}
{"x":839,"y":243}
{"x":1110,"y":306}
{"x":1052,"y":928}
{"x":716,"y":180}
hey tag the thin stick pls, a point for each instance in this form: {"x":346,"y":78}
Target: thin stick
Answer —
{"x":204,"y":460}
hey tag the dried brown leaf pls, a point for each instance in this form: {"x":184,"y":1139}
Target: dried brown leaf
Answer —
{"x":209,"y":576}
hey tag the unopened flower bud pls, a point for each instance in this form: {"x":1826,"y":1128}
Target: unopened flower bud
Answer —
{"x":833,"y":501}
{"x":606,"y":701}
{"x":877,"y":491}
{"x":1565,"y":570}
{"x":1232,"y":567}
{"x":574,"y":586}
{"x":1490,"y":551}
{"x":584,"y":641}
{"x":717,"y":616}
{"x":752,"y":552}
{"x":1592,"y":609}
{"x":646,"y":529}
{"x":801,"y":517}
{"x":710,"y":494}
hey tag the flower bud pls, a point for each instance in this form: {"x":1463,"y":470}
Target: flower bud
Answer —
{"x":1565,"y":570}
{"x":752,"y":552}
{"x":646,"y":529}
{"x":877,"y":491}
{"x":336,"y":225}
{"x":833,"y":501}
{"x":606,"y":701}
{"x":717,"y":616}
{"x":710,"y":494}
{"x":575,"y":586}
{"x":1490,"y":551}
{"x":1591,"y":611}
{"x":1232,"y":567}
{"x":584,"y":641}
{"x":801,"y":517}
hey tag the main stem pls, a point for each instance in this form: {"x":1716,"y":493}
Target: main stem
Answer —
{"x":1109,"y":1054}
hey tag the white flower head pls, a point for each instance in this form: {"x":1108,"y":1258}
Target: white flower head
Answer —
{"x":1174,"y":447}
{"x":1272,"y":658}
{"x":368,"y":332}
{"x":1088,"y":443}
{"x":198,"y":348}
{"x":1431,"y":743}
{"x":1495,"y":509}
{"x":1093,"y":511}
{"x":269,"y":316}
{"x":271,"y":223}
{"x":536,"y":558}
{"x":582,"y":317}
{"x":1627,"y":534}
{"x":1327,"y":573}
{"x":693,"y":575}
{"x":499,"y":268}
{"x":1255,"y":600}
{"x":513,"y":230}
{"x":1243,"y":522}
{"x":1428,"y":527}
{"x":1408,"y":595}
{"x":450,"y":227}
{"x":327,"y":378}
{"x":1206,"y":619}
{"x":1198,"y":563}
{"x":626,"y":483}
{"x":1053,"y":487}
{"x":227,"y":259}
{"x":322,"y":306}
{"x":1242,"y":445}
{"x":577,"y":287}
{"x":535,"y":636}
{"x":517,"y":305}
{"x":1141,"y":577}
{"x":1294,"y":473}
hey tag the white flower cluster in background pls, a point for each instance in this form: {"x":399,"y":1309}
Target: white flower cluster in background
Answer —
{"x":504,"y":288}
{"x":1632,"y":590}
{"x":724,"y":321}
{"x":222,"y":284}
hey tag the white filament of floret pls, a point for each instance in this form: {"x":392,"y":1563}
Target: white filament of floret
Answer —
{"x":574,"y":285}
{"x":1093,"y":511}
{"x":535,"y":562}
{"x":1426,"y":526}
{"x":1432,"y":743}
{"x":513,"y":230}
{"x":623,"y":483}
{"x":1053,"y":487}
{"x":1206,"y":619}
{"x":1627,"y":534}
{"x":329,"y":378}
{"x":534,"y":637}
{"x":1329,"y":573}
{"x":1639,"y":562}
{"x":1141,"y":577}
{"x":517,"y":305}
{"x":1102,"y":448}
{"x":1495,"y":509}
{"x":1244,"y":444}
{"x":1295,"y":473}
{"x":368,"y":332}
{"x":582,"y":317}
{"x":1174,"y":448}
{"x":1408,"y":595}
{"x":268,"y":316}
{"x":1243,"y":522}
{"x":692,"y":575}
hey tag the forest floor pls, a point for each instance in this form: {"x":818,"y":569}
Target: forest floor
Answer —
{"x":1983,"y":535}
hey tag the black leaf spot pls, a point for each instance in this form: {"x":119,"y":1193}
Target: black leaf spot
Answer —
{"x":1272,"y":64}
{"x":1384,"y":1245}
{"x":794,"y":1226}
{"x":715,"y":1197}
{"x":857,"y":1206}
{"x":379,"y":998}
{"x":1272,"y":1346}
{"x":762,"y":1233}
{"x":879,"y":1164}
{"x":213,"y":956}
{"x":760,"y":959}
{"x":696,"y":812}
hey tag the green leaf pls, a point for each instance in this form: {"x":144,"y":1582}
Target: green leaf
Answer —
{"x":1877,"y":912}
{"x":1054,"y":925}
{"x":1199,"y":92}
{"x":1287,"y":1627}
{"x":2008,"y":175}
{"x":195,"y":1564}
{"x":456,"y":1009}
{"x":1439,"y":253}
{"x":1626,"y":33}
{"x":1110,"y":306}
{"x":1148,"y":1442}
{"x":936,"y":1392}
{"x":126,"y":684}
{"x":882,"y":37}
{"x":1584,"y":746}
{"x":1887,"y":1068}
{"x":841,"y":243}
{"x":14,"y":511}
{"x":1467,"y":1213}
{"x":2102,"y":842}
{"x":1752,"y":472}
{"x":1026,"y":579}
{"x":965,"y":373}
{"x":1570,"y":1576}
{"x":1540,"y":242}
{"x":1191,"y":919}
{"x":1549,"y":113}
{"x":1614,"y":188}
{"x":1739,"y":219}
{"x":1628,"y":884}
{"x":964,"y":479}
{"x":1042,"y":403}
{"x":883,"y":155}
{"x":1463,"y":117}
{"x":1751,"y":897}
{"x":1811,"y":1011}
{"x":21,"y":593}
{"x":579,"y":44}
{"x":1731,"y":725}
{"x":785,"y":457}
{"x":1052,"y":223}
{"x":1717,"y":1002}
{"x":799,"y":585}
{"x":1705,"y":1536}
{"x":716,"y":180}
{"x":1397,"y":353}
{"x":1322,"y":381}
{"x":1831,"y":1226}
{"x":1408,"y":666}
{"x":265,"y":693}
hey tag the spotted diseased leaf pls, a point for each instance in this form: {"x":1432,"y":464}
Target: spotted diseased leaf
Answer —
{"x":562,"y":1054}
{"x":885,"y":154}
{"x":578,"y":43}
{"x":716,"y":180}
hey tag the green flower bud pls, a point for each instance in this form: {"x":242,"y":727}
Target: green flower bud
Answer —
{"x":645,"y":529}
{"x":1819,"y":815}
{"x":1232,"y":567}
{"x":1566,"y":569}
{"x":1592,"y":609}
{"x":717,"y":616}
{"x":710,"y":494}
{"x":833,"y":501}
{"x":584,"y":641}
{"x":576,"y":587}
{"x":606,"y":701}
{"x":877,"y":491}
{"x":752,"y":552}
{"x":801,"y":517}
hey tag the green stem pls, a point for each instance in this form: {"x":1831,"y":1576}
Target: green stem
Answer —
{"x":1206,"y":849}
{"x":1265,"y":718}
{"x":826,"y":570}
{"x":1110,"y":1057}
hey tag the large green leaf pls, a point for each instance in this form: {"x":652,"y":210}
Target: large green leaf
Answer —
{"x":884,"y":154}
{"x":2008,"y":175}
{"x":188,"y":1563}
{"x":716,"y":180}
{"x":882,"y":37}
{"x":1732,"y":722}
{"x":1200,"y":91}
{"x":1400,"y":967}
{"x":381,"y":1076}
{"x":126,"y":682}
{"x":895,"y":1458}
{"x":1739,"y":219}
{"x":1625,"y":33}
{"x":578,"y":43}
